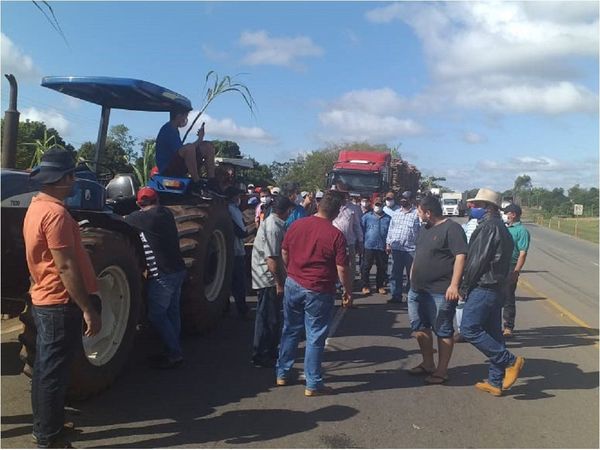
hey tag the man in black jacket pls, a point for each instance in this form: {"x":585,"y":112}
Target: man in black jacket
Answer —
{"x":486,"y":269}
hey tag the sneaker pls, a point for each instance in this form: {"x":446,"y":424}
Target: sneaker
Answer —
{"x":512,"y":373}
{"x":323,"y":390}
{"x":264,"y":363}
{"x":507,"y":333}
{"x":382,"y":291}
{"x":68,"y":427}
{"x":366,"y":291}
{"x":282,"y":382}
{"x":487,"y":387}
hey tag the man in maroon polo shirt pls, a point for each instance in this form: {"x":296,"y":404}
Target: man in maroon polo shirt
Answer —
{"x":314,"y":252}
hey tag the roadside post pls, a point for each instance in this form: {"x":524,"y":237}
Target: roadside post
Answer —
{"x":577,"y":211}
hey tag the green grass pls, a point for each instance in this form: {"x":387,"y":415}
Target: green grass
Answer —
{"x":583,"y":228}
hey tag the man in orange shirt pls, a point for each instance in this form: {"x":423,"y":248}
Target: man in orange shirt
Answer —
{"x":63,"y":285}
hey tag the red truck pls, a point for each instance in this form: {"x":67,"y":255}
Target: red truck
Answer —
{"x":373,"y":173}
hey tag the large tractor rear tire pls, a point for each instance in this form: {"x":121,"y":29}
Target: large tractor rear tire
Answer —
{"x":206,"y":243}
{"x":99,"y":359}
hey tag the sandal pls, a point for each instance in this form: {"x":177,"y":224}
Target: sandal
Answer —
{"x":420,"y":370}
{"x":436,"y":379}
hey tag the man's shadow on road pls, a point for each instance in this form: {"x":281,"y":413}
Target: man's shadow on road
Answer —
{"x":554,"y":337}
{"x":233,"y":427}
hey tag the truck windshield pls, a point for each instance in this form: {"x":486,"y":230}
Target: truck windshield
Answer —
{"x":450,"y":201}
{"x":358,"y":181}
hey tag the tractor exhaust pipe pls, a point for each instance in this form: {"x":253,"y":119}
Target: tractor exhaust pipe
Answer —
{"x":11,"y":127}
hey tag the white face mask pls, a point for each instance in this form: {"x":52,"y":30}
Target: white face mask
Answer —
{"x":389,"y":203}
{"x":364,"y":203}
{"x":265,"y":200}
{"x":377,"y":209}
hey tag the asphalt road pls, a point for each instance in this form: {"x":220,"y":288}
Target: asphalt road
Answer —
{"x":219,"y":400}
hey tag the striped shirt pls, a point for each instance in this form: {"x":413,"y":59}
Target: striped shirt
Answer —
{"x":150,"y":257}
{"x":348,"y":222}
{"x":469,"y":227}
{"x":404,"y":230}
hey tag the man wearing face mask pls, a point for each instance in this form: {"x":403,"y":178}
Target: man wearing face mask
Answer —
{"x":375,"y":225}
{"x":486,"y":270}
{"x":290,"y":190}
{"x":475,"y":215}
{"x":401,"y":244}
{"x":390,"y":206}
{"x":263,"y":208}
{"x":63,"y":287}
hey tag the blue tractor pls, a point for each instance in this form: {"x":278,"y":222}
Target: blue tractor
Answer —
{"x":204,"y":225}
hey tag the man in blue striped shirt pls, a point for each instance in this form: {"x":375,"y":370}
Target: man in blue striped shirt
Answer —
{"x":401,"y":243}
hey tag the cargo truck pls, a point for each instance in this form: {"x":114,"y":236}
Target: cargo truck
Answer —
{"x":453,"y":204}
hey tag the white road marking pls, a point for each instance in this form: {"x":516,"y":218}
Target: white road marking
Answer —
{"x":595,"y":263}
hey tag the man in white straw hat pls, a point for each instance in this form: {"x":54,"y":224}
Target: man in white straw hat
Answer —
{"x":486,"y":269}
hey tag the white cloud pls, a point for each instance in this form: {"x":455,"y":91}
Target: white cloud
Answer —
{"x":16,"y":62}
{"x":473,"y":138}
{"x":282,"y":51}
{"x":367,"y":115}
{"x":227,"y":129}
{"x":511,"y":57}
{"x":52,"y":119}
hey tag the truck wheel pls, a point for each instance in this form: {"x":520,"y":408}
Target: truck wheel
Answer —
{"x":99,"y":359}
{"x":206,"y":243}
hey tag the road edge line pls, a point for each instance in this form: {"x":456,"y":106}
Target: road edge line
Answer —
{"x":556,"y":305}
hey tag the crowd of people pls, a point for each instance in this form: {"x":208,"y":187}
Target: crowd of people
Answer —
{"x":306,"y":250}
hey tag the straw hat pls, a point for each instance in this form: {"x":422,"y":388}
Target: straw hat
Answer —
{"x":487,"y":195}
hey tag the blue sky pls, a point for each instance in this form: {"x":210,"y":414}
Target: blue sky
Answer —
{"x":478,"y":92}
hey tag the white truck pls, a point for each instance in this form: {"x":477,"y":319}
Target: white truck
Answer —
{"x":453,"y":204}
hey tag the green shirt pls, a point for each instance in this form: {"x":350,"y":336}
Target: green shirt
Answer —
{"x":521,"y":239}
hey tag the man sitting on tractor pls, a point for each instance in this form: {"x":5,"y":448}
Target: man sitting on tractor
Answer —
{"x":174,"y":159}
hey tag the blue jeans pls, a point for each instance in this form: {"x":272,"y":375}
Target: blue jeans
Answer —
{"x":482,"y":326}
{"x":59,"y":332}
{"x":308,"y":310}
{"x":426,"y":311}
{"x":238,"y":284}
{"x":164,"y":296}
{"x":267,"y":325}
{"x":401,"y":262}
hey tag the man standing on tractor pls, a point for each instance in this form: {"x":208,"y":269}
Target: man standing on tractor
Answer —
{"x":64,"y":283}
{"x":165,"y":273}
{"x":174,"y":159}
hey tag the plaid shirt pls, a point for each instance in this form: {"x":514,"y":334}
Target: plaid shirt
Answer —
{"x":404,"y":229}
{"x":348,"y":222}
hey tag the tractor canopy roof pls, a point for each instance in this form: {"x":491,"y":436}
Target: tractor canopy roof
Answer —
{"x":119,"y":93}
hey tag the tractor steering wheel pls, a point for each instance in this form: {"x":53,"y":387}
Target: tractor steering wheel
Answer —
{"x":105,"y":176}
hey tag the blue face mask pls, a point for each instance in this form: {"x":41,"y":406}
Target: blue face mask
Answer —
{"x":477,"y":213}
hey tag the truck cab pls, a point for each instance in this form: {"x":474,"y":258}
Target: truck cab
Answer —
{"x":366,"y":173}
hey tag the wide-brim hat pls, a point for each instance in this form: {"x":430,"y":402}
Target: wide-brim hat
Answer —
{"x":487,"y":195}
{"x":55,"y":163}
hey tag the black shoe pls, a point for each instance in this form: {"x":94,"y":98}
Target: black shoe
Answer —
{"x":263,"y":363}
{"x":167,"y":362}
{"x":394,"y":300}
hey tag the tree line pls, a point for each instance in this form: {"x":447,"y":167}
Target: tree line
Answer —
{"x":125,"y":154}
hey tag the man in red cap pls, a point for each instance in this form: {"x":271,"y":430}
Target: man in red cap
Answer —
{"x":165,"y":273}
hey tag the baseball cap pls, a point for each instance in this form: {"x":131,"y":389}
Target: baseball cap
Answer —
{"x":303,"y":194}
{"x":275,"y":191}
{"x":319,"y":194}
{"x":514,"y":209}
{"x":250,"y":186}
{"x":147,"y":193}
{"x":407,"y":195}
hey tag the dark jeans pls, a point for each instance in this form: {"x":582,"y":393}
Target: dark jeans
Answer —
{"x":238,"y":284}
{"x":510,"y":307}
{"x":267,"y":325}
{"x":482,"y":326}
{"x":401,"y":262}
{"x":59,"y":332}
{"x":164,"y":299}
{"x":380,"y":259}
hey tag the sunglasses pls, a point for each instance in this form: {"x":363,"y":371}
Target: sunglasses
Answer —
{"x":389,"y":198}
{"x":377,"y":204}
